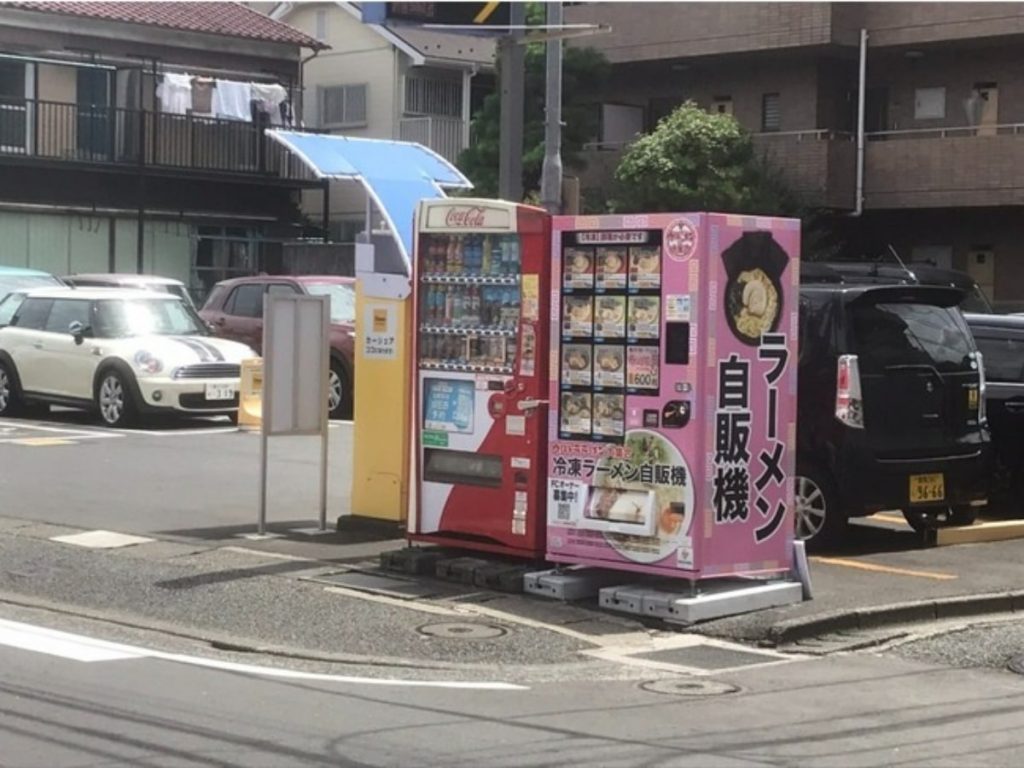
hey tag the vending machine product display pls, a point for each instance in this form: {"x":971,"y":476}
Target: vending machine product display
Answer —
{"x":673,"y":393}
{"x":481,"y":289}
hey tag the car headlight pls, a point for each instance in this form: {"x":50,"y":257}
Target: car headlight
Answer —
{"x":147,"y":362}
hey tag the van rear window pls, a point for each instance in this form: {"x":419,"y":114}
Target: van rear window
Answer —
{"x":888,"y":335}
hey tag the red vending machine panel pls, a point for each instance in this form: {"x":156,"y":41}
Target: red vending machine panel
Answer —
{"x":481,"y":306}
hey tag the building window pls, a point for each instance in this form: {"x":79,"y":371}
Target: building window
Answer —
{"x":321,"y":26}
{"x":930,"y":104}
{"x":343,"y":105}
{"x":430,"y":96}
{"x":620,"y":124}
{"x":721,"y":105}
{"x":771,"y":119}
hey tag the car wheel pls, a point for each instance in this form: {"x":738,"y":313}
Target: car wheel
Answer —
{"x":964,"y":515}
{"x":10,"y":400}
{"x":819,"y":520}
{"x":114,"y":400}
{"x":339,"y":393}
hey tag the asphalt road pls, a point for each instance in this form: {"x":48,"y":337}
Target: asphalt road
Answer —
{"x":128,"y":707}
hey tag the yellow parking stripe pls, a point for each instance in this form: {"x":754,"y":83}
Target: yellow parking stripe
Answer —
{"x":43,"y":441}
{"x":485,"y":12}
{"x":938,"y":576}
{"x":889,"y":518}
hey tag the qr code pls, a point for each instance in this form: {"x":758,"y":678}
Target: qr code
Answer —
{"x":563,"y":511}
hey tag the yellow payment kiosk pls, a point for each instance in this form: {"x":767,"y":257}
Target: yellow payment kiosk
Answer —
{"x":380,"y":468}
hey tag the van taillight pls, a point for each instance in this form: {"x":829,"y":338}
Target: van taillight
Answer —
{"x":849,"y":405}
{"x":982,"y":411}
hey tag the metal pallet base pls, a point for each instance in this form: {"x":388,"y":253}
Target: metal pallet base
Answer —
{"x":711,"y":600}
{"x":571,"y":583}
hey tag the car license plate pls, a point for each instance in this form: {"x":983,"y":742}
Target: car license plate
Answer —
{"x":220,"y":391}
{"x":927,"y":488}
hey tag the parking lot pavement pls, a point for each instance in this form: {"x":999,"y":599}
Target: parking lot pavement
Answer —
{"x":183,"y":479}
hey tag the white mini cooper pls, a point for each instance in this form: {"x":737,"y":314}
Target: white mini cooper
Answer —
{"x":119,"y":352}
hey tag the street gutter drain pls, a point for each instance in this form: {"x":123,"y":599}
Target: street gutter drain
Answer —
{"x":1017,"y":664}
{"x":462,"y":630}
{"x":689,"y":687}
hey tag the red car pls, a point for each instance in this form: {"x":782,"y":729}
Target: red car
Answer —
{"x":234,"y":310}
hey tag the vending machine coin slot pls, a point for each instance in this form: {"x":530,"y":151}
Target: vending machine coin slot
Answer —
{"x":677,"y":343}
{"x":675,"y":414}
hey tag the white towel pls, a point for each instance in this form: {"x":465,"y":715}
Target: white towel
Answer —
{"x":175,"y":93}
{"x":233,"y":100}
{"x":270,"y":96}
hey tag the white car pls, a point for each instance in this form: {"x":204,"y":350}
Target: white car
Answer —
{"x":119,"y":352}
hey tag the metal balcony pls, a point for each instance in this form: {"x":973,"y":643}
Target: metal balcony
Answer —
{"x":50,"y":131}
{"x":444,"y":135}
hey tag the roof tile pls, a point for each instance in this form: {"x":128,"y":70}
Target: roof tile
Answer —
{"x":228,"y":19}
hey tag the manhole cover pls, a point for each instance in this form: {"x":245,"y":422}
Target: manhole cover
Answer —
{"x":1017,"y":664}
{"x":462,"y":630}
{"x":689,"y":687}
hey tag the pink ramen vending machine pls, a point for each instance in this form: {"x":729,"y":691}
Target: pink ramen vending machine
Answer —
{"x":673,"y":381}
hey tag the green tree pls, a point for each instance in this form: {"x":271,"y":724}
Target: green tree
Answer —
{"x":584,"y":71}
{"x":696,"y":160}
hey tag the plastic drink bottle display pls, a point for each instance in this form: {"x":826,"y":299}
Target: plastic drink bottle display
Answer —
{"x":485,"y":255}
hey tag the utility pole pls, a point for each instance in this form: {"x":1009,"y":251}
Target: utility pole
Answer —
{"x":510,"y":156}
{"x":551,"y":171}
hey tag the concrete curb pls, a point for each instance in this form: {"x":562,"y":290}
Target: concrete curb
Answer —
{"x":895,"y":613}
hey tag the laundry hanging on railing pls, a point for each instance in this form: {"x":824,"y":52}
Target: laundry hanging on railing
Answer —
{"x":202,"y":96}
{"x":175,"y":94}
{"x":232,"y":100}
{"x":182,"y":94}
{"x":269,"y":98}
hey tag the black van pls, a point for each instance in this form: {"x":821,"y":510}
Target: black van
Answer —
{"x":891,"y":408}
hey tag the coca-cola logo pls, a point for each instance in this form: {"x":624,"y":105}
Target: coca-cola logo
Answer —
{"x":464,"y":217}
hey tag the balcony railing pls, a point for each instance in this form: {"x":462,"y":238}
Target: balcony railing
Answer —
{"x":948,"y":132}
{"x":50,"y":130}
{"x":444,"y":135}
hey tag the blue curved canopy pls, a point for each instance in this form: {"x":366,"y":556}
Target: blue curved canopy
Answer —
{"x":396,"y":174}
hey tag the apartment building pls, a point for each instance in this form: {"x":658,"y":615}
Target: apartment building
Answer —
{"x":944,"y":111}
{"x":132,"y":138}
{"x":403,"y":82}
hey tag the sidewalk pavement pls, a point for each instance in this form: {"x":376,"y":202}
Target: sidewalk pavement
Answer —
{"x":324,"y":597}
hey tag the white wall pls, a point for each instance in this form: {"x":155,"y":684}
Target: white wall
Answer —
{"x":65,"y":244}
{"x":358,"y":55}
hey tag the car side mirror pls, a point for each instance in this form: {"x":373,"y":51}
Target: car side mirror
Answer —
{"x":77,"y":330}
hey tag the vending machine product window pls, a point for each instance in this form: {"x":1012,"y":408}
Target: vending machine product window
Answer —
{"x":470,"y":302}
{"x":610,"y":328}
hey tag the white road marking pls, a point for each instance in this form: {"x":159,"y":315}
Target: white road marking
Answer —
{"x":71,"y":438}
{"x":79,"y":648}
{"x":175,"y":432}
{"x":67,"y":646}
{"x":14,"y":426}
{"x":101,"y":539}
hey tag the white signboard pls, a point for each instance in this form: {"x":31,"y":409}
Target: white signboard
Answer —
{"x":296,"y":364}
{"x":381,"y":341}
{"x":296,"y":360}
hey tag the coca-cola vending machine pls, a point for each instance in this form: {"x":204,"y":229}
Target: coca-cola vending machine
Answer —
{"x":481,"y":271}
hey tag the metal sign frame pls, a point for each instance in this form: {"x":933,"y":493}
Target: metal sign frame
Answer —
{"x":296,"y":360}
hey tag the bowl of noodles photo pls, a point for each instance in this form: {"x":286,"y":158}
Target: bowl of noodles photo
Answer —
{"x":753,"y":291}
{"x":673,"y":505}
